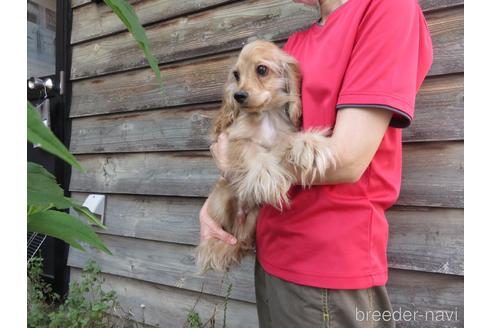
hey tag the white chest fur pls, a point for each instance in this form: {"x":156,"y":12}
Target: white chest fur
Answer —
{"x":266,"y":133}
{"x":263,"y":129}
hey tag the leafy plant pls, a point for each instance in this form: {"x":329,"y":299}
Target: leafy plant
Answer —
{"x":44,"y":194}
{"x":127,"y":15}
{"x":82,"y":311}
{"x":193,"y":320}
{"x":86,"y":306}
{"x":40,"y":296}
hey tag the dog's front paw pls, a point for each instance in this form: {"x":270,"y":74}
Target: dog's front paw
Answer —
{"x":310,"y":155}
{"x":264,"y":181}
{"x":271,"y":186}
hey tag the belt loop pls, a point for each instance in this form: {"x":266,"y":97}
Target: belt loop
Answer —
{"x":324,"y":302}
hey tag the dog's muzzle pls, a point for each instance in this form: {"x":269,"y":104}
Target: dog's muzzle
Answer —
{"x":240,"y":96}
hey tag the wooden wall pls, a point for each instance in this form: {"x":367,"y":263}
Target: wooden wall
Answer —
{"x":148,"y":152}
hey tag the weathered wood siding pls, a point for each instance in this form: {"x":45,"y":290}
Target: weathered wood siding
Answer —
{"x":147,"y":150}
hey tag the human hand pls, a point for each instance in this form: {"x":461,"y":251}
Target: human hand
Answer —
{"x":210,"y":229}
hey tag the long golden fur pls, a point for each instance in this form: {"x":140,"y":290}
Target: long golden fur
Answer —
{"x":261,"y":114}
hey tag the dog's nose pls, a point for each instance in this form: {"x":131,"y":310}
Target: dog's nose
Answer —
{"x":240,"y":96}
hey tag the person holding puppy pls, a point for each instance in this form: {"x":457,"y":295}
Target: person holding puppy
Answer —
{"x":322,"y":261}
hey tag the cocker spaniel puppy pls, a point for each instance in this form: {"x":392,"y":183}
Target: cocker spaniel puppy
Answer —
{"x":261,"y":114}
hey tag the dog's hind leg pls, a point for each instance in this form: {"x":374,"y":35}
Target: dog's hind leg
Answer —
{"x":222,"y":207}
{"x":214,"y":254}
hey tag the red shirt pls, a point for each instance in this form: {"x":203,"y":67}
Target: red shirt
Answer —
{"x":369,"y":53}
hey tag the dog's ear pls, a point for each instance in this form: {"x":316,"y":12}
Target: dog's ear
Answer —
{"x":228,"y":111}
{"x":292,"y":74}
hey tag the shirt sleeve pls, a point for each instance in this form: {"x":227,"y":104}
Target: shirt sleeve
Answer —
{"x":390,"y":58}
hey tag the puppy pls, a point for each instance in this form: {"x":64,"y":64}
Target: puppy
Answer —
{"x":261,"y":114}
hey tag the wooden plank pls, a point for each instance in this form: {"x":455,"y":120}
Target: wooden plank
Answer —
{"x":428,"y":170}
{"x":426,"y":239}
{"x":447,"y":30}
{"x":193,"y":82}
{"x":229,"y":27}
{"x":175,"y":174}
{"x":428,"y":5}
{"x":169,"y":219}
{"x":185,"y":128}
{"x":409,"y":291}
{"x":433,"y":175}
{"x":166,"y":264}
{"x":439,"y":103}
{"x":439,"y":110}
{"x":168,"y":307}
{"x":427,"y":295}
{"x":423,"y":239}
{"x":97,"y":20}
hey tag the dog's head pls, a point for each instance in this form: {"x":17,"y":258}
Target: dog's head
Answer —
{"x":263,"y":78}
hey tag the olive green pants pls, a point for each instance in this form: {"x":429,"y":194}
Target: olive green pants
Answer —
{"x":282,"y":304}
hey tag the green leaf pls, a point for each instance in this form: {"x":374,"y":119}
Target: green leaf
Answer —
{"x":38,"y":133}
{"x":31,"y":209}
{"x":127,"y":15}
{"x":84,"y":211}
{"x":66,"y":227}
{"x":89,"y":215}
{"x":42,"y":189}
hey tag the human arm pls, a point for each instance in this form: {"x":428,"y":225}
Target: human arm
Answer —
{"x":356,"y":137}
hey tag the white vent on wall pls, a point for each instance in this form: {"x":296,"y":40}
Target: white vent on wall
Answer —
{"x":96,"y":204}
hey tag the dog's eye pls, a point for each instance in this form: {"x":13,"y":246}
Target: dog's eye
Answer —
{"x":262,"y":70}
{"x":236,"y":75}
